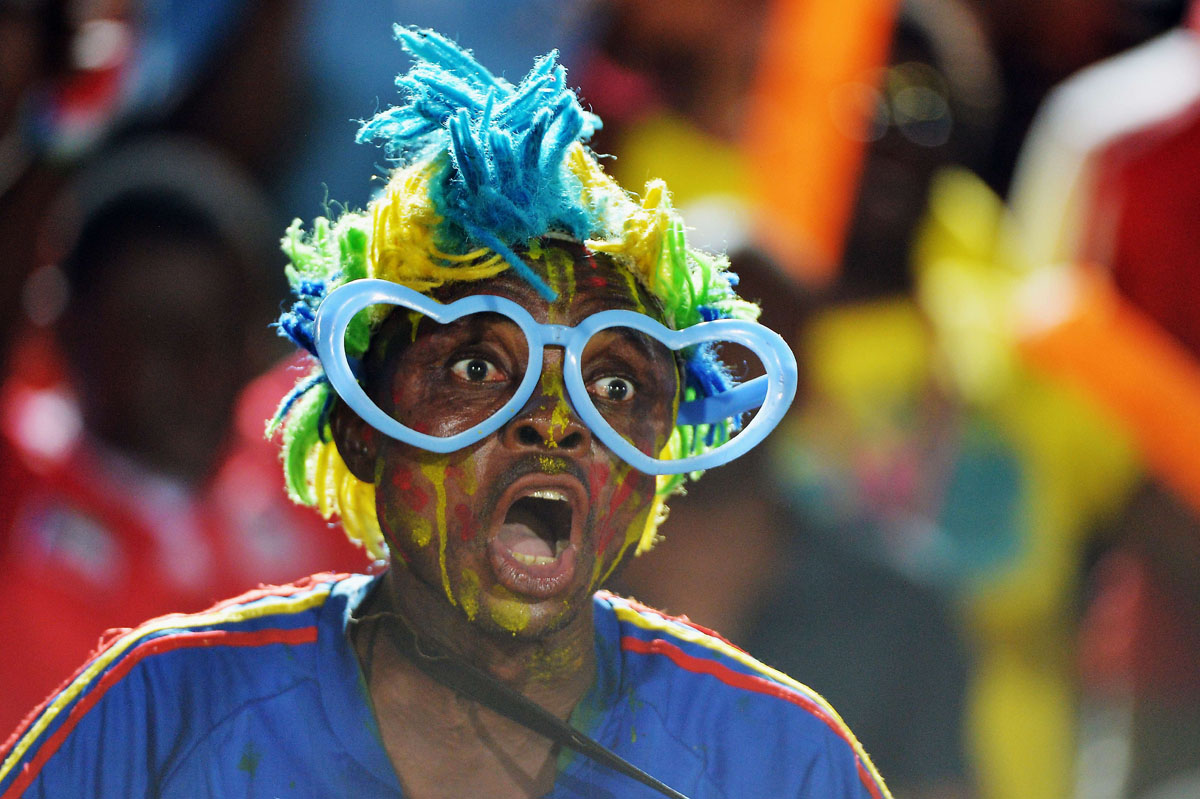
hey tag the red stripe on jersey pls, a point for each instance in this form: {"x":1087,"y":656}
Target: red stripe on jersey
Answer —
{"x":684,"y":620}
{"x":749,"y":682}
{"x":291,"y":589}
{"x":154,"y":646}
{"x":114,"y":635}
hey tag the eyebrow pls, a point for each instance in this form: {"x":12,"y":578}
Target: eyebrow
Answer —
{"x":472,"y":324}
{"x":646,"y":345}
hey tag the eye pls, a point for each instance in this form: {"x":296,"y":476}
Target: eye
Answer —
{"x":477,"y":370}
{"x":613,"y":389}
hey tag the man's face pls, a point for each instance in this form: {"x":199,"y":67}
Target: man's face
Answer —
{"x":518,"y":530}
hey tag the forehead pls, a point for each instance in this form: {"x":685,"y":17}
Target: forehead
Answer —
{"x":585,"y":282}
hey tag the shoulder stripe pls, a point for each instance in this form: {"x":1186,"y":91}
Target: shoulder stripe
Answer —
{"x":115,"y":634}
{"x":291,"y":589}
{"x":269,"y":605}
{"x":684,"y":621}
{"x":656,"y":621}
{"x":866,"y":770}
{"x":154,"y":646}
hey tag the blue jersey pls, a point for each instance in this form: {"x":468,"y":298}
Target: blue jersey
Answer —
{"x":262,"y":697}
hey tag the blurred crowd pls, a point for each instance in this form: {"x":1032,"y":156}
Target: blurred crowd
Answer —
{"x":976,"y":221}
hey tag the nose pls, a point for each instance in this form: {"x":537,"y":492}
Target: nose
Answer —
{"x":548,"y":422}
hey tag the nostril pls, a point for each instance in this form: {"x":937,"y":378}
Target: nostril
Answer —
{"x":572,"y":441}
{"x":526,"y":434}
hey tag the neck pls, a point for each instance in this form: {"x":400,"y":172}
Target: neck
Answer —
{"x":555,"y":662}
{"x":434,"y":736}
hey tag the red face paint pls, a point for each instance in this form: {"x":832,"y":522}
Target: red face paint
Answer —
{"x":619,"y":497}
{"x":414,"y":496}
{"x":598,"y":477}
{"x":624,"y":490}
{"x":467,"y":525}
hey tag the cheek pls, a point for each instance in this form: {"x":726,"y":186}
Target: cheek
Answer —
{"x":408,"y":490}
{"x":428,"y":500}
{"x":627,"y":497}
{"x":468,"y":525}
{"x":624,"y":494}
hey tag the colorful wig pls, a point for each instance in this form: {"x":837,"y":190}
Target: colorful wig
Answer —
{"x":482,"y":168}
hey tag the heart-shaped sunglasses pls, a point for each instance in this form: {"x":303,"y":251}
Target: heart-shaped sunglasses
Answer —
{"x":770,"y":394}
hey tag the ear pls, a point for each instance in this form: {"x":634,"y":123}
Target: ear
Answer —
{"x":357,"y":441}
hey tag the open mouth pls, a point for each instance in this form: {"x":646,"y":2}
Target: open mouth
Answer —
{"x":532,"y":551}
{"x":538,"y":527}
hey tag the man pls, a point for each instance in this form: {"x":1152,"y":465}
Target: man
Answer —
{"x":516,"y":363}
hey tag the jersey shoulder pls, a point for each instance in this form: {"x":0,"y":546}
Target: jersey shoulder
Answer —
{"x":150,"y":691}
{"x":745,"y":712}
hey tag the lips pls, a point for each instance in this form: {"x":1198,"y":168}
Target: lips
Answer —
{"x":538,"y":525}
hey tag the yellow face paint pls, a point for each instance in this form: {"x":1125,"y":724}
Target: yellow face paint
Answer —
{"x":435,"y":473}
{"x":654,"y":519}
{"x":414,"y":319}
{"x":631,"y":281}
{"x":548,"y":665}
{"x":470,"y":480}
{"x":422,"y":532}
{"x":552,"y":387}
{"x":633,"y":535}
{"x":560,"y":276}
{"x":469,"y":593}
{"x":552,"y":465}
{"x":509,"y":612}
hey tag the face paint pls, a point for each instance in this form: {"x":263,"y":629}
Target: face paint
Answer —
{"x":633,"y":535}
{"x":467,"y":527}
{"x":422,"y":531}
{"x":469,"y":501}
{"x":469,"y":593}
{"x":634,"y":291}
{"x":552,"y":465}
{"x":466,"y":476}
{"x":417,"y":498}
{"x":549,"y":664}
{"x":509,"y":612}
{"x":408,"y":514}
{"x":560,"y":274}
{"x":554,"y":389}
{"x":435,"y":473}
{"x":622,"y":491}
{"x":414,"y":320}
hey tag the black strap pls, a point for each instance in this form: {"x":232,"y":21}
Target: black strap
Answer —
{"x":475,"y":684}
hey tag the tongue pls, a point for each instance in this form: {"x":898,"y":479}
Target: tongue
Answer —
{"x":522,"y":539}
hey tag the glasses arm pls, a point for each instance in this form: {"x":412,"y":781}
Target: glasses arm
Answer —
{"x":737,"y":400}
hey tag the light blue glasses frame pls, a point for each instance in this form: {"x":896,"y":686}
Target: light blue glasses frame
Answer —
{"x":771,"y":393}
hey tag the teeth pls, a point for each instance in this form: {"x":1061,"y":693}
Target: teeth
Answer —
{"x":549,"y":493}
{"x":532,"y":560}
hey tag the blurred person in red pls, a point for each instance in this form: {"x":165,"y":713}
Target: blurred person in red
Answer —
{"x":136,"y":479}
{"x":1039,"y":43}
{"x":1107,"y":184}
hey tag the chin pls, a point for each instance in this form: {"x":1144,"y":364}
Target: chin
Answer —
{"x":507,"y":615}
